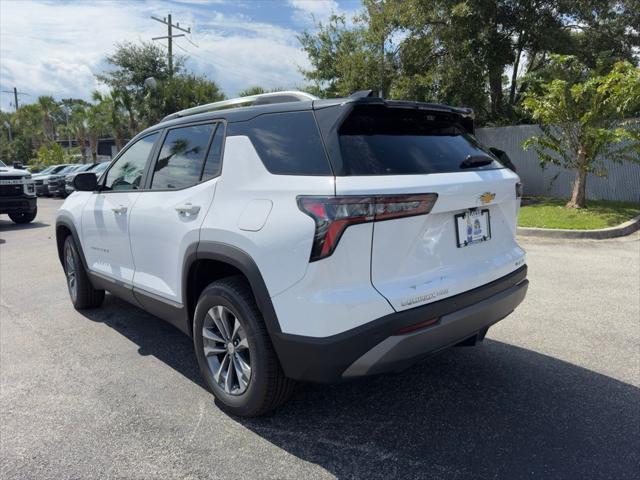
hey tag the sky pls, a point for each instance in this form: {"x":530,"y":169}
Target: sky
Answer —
{"x":56,"y":47}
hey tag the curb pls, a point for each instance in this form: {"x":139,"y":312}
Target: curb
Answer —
{"x":626,"y":228}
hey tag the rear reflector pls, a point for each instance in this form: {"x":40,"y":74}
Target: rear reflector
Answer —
{"x":333,"y":215}
{"x":418,"y":326}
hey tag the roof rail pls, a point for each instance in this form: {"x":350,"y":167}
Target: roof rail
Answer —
{"x":260,"y":99}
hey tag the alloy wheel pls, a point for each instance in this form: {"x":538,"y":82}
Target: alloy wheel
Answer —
{"x":70,"y":270}
{"x":226,"y":350}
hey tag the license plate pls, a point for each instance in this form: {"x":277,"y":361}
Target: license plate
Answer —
{"x":472,"y":226}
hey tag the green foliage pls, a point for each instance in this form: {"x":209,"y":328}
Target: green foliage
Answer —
{"x":458,"y":52}
{"x":257,"y":90}
{"x":177,"y":93}
{"x":550,"y":213}
{"x":132,"y":104}
{"x":584,"y":114}
{"x":586,"y":118}
{"x":50,"y":154}
{"x":347,"y":58}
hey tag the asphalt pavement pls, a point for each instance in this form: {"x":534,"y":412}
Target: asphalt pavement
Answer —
{"x":553,"y":392}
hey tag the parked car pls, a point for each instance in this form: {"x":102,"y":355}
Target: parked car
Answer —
{"x":346,"y":237}
{"x":96,"y":168}
{"x":55,"y":183}
{"x":42,"y":179}
{"x":17,"y":194}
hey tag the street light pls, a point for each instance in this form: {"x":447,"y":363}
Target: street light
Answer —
{"x":151,"y":83}
{"x":8,"y":126}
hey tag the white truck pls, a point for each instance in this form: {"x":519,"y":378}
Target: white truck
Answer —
{"x":17,"y":194}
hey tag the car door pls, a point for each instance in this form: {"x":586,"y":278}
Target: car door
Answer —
{"x":105,"y":218}
{"x":167,"y":216}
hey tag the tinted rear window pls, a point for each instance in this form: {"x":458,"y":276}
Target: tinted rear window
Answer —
{"x":387,"y":141}
{"x":288,"y":143}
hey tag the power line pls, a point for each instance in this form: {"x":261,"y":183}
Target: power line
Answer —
{"x":15,"y":96}
{"x":170,"y":36}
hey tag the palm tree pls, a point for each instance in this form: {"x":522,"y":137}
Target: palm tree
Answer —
{"x":50,"y":109}
{"x":77,"y":124}
{"x":116,"y":120}
{"x":96,"y":124}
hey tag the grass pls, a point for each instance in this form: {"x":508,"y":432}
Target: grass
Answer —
{"x":551,"y":213}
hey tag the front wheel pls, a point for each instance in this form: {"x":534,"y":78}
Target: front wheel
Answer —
{"x":234,"y":351}
{"x":82,"y":293}
{"x":24,"y":217}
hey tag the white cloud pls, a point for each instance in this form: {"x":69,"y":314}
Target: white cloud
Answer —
{"x":55,"y":49}
{"x":308,"y":12}
{"x":320,"y":9}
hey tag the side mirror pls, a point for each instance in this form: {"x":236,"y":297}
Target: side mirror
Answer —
{"x":85,"y":182}
{"x":503,"y":158}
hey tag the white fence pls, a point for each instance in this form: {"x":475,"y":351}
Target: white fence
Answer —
{"x":622,"y":182}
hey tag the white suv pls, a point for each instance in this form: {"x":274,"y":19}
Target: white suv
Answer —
{"x":301,"y":239}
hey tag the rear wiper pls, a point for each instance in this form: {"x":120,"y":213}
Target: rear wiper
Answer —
{"x":476,"y":161}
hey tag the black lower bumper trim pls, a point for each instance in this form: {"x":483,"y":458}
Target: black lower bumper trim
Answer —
{"x":326,"y":359}
{"x":20,"y":204}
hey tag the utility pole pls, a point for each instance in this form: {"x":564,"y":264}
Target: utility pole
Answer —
{"x":170,"y":36}
{"x":15,"y":96}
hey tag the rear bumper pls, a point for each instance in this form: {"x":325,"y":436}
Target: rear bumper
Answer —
{"x":18,"y":204}
{"x":376,"y":347}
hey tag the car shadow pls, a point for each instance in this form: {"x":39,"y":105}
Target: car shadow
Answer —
{"x":7,"y":225}
{"x":492,"y":411}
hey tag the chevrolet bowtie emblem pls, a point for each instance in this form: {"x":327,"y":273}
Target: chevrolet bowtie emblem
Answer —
{"x":487,"y":197}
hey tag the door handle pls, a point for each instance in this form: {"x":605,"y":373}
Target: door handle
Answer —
{"x":187,"y":209}
{"x":119,"y":210}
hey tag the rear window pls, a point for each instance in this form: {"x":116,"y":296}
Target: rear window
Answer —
{"x":387,"y":141}
{"x":288,"y":143}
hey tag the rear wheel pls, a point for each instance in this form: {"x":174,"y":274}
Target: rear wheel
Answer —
{"x":82,"y":293}
{"x":23,"y":217}
{"x":234,"y":350}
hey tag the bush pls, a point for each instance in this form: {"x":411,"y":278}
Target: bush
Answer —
{"x":51,"y":154}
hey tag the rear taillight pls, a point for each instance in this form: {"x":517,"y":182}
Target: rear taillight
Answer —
{"x":334,"y":214}
{"x":519,"y":190}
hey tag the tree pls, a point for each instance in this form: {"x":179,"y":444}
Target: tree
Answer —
{"x":49,"y":109}
{"x":346,"y":58}
{"x":132,"y":64}
{"x":50,"y":154}
{"x":585,"y":118}
{"x":177,"y":93}
{"x":459,"y":52}
{"x":112,"y":107}
{"x":96,"y":123}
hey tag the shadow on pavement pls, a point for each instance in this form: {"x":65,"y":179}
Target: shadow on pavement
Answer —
{"x":492,"y":411}
{"x":8,"y":225}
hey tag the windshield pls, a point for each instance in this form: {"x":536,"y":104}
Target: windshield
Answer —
{"x":100,"y":167}
{"x":2,"y":164}
{"x":48,"y":169}
{"x":67,"y":169}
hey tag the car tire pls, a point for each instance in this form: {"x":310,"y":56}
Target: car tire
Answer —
{"x":23,"y":217}
{"x":82,"y":293}
{"x":265,"y":387}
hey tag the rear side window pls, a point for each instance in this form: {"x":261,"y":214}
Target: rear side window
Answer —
{"x":387,"y":141}
{"x":214,"y":157}
{"x":181,"y":157}
{"x":288,"y":143}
